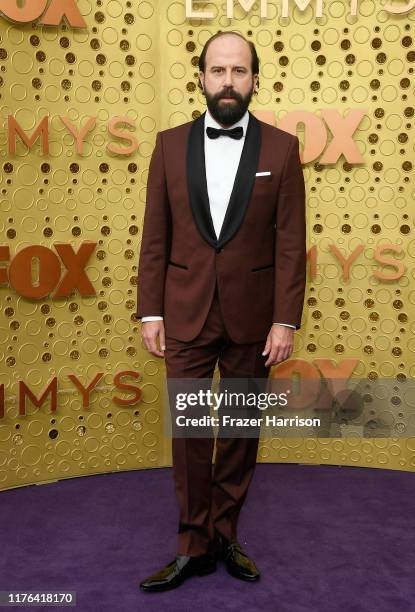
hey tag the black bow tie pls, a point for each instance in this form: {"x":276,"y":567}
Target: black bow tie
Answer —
{"x":235,"y":133}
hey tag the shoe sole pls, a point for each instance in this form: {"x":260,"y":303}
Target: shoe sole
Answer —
{"x":241,"y":577}
{"x":203,"y":572}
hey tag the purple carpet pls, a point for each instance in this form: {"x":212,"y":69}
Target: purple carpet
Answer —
{"x":325,"y":539}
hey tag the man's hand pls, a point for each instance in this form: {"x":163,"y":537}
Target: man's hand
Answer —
{"x":279,"y":344}
{"x":150,"y":331}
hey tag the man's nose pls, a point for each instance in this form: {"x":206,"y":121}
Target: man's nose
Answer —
{"x":228,"y":78}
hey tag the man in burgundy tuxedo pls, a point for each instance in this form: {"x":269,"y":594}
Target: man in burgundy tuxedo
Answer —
{"x":221,"y":279}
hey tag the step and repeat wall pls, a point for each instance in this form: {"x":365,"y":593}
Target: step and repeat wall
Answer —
{"x":84,"y":88}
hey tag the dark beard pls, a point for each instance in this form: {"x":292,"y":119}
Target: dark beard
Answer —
{"x":228,"y":113}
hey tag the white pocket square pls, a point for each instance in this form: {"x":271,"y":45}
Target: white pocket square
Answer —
{"x":267,"y":173}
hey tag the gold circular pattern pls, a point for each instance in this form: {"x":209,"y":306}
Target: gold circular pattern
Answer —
{"x":113,"y":68}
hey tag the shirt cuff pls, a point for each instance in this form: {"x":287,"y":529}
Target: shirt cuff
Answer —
{"x":155,"y":318}
{"x":286,"y":325}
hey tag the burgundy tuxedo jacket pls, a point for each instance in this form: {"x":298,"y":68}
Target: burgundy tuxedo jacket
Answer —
{"x":259,"y":259}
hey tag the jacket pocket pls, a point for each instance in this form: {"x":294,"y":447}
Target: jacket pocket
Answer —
{"x":172,"y":263}
{"x":262,"y":268}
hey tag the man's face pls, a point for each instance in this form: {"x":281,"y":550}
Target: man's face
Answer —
{"x":228,"y":82}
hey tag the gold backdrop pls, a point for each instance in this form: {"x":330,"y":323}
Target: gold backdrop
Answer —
{"x":138,"y":60}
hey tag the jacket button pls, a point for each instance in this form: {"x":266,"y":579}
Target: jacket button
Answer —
{"x":219,"y":250}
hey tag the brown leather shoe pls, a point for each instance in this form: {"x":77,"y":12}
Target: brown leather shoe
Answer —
{"x":177,"y":571}
{"x":237,"y":562}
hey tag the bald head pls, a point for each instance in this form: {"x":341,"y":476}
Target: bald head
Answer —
{"x":223,"y":36}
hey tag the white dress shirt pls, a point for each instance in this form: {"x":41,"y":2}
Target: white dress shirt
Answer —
{"x":222,"y":157}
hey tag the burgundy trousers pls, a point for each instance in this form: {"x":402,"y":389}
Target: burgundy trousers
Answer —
{"x":211,"y":497}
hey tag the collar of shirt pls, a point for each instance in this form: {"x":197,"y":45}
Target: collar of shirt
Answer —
{"x":211,"y":122}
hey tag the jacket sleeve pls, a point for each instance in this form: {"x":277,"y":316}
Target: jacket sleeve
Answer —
{"x":290,"y":241}
{"x":156,"y":239}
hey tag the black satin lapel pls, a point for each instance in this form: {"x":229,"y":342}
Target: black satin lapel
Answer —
{"x":196,"y":181}
{"x":244,"y":181}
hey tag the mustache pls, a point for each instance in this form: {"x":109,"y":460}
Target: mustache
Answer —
{"x":229,"y":93}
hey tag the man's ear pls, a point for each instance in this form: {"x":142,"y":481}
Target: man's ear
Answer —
{"x":201,"y":80}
